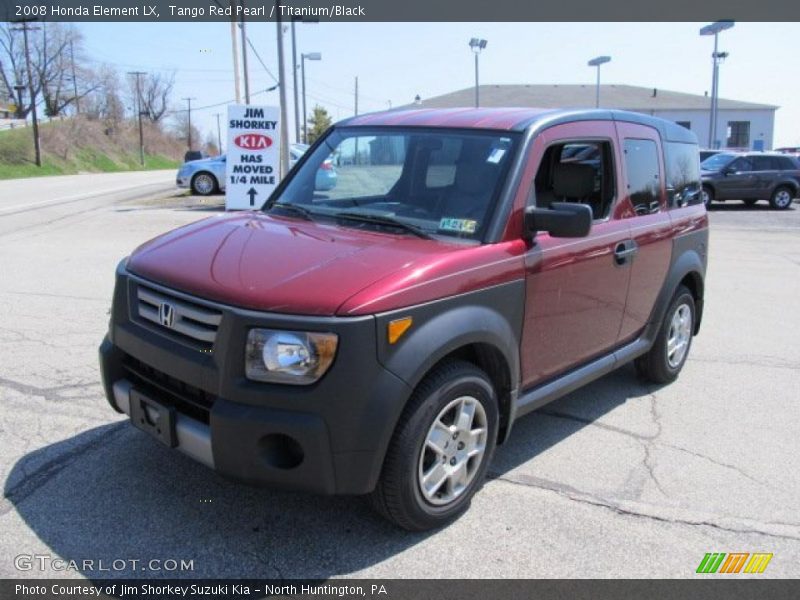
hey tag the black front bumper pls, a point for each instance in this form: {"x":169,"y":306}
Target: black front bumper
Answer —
{"x":329,"y":437}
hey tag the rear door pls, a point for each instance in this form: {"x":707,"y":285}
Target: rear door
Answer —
{"x":643,"y":208}
{"x":766,"y":171}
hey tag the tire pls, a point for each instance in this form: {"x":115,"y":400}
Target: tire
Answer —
{"x":427,"y":434}
{"x":660,"y":365}
{"x":707,"y":195}
{"x":204,"y":184}
{"x":782,"y":197}
{"x":751,"y":202}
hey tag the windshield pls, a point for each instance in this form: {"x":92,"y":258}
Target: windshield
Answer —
{"x":441,"y":184}
{"x":716,"y":162}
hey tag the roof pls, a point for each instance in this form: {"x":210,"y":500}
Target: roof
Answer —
{"x":478,"y":118}
{"x":625,"y":97}
{"x":511,"y":119}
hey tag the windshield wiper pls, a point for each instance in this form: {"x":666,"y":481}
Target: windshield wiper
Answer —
{"x":385,"y":220}
{"x":296,"y":208}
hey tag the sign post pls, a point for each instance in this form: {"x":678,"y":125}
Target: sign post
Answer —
{"x":252,"y":162}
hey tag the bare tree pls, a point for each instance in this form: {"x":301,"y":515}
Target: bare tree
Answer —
{"x":105,"y":102}
{"x":61,"y":76}
{"x":12,"y":67}
{"x":180,"y":125}
{"x":156,"y":90}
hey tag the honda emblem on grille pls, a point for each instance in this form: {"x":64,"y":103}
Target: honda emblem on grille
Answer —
{"x":166,"y":314}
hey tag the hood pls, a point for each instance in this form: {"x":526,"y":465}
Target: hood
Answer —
{"x":279,"y":264}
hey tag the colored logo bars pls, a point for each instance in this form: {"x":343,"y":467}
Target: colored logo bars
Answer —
{"x":736,"y":562}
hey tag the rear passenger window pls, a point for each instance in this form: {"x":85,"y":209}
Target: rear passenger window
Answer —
{"x":644,"y":181}
{"x":577,"y":171}
{"x":786,"y":164}
{"x":763,"y":163}
{"x":683,"y":173}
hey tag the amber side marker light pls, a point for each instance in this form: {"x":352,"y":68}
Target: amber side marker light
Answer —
{"x":397,"y":328}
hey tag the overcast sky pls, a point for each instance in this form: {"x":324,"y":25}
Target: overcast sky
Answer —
{"x":396,"y":61}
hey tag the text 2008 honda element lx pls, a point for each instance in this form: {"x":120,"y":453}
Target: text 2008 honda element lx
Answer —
{"x":382,"y":337}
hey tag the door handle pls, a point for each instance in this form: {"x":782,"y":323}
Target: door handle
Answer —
{"x":624,"y":251}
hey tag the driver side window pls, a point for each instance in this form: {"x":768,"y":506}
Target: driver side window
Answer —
{"x":741,"y":164}
{"x":577,"y":171}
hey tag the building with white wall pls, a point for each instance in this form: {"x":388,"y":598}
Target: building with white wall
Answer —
{"x":741,"y":125}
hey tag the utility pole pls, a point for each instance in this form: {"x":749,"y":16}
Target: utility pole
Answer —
{"x":74,"y":79}
{"x":189,"y":140}
{"x":284,"y":133}
{"x":219,"y":133}
{"x":25,"y":28}
{"x":244,"y":59}
{"x":356,"y":96}
{"x":138,"y":75}
{"x":235,"y":54}
{"x":294,"y":83}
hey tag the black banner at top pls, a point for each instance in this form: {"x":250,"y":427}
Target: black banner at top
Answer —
{"x":400,"y":10}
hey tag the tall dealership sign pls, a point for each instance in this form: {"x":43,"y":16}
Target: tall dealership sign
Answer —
{"x":253,"y":158}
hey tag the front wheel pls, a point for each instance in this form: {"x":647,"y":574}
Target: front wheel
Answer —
{"x":781,"y":198}
{"x":204,"y":184}
{"x":707,"y":195}
{"x":664,"y":361}
{"x":440,"y":450}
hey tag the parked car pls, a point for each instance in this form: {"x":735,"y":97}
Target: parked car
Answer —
{"x":191,"y":155}
{"x":750,"y":177}
{"x":207,"y":176}
{"x":383,"y":337}
{"x":704,"y":154}
{"x":793,"y":150}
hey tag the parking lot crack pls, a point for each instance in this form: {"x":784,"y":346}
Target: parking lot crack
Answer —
{"x":51,"y":394}
{"x":575,"y":495}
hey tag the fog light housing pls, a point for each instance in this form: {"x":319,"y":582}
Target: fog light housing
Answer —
{"x":293,"y":357}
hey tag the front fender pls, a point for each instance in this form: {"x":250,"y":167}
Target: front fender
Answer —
{"x":491,"y":316}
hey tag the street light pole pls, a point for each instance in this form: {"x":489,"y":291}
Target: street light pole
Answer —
{"x":596,"y":62}
{"x":303,"y":57}
{"x":294,"y":84}
{"x":25,"y":27}
{"x":138,"y":74}
{"x":284,"y":133}
{"x":477,"y":44}
{"x":219,"y":133}
{"x":715,"y":29}
{"x":244,"y":59}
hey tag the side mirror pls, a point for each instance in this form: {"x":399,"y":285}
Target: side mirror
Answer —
{"x":562,"y":219}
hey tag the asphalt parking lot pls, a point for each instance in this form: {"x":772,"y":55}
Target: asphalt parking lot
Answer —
{"x":618,"y":479}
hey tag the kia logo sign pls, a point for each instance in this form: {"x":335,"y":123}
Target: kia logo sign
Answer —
{"x":252,"y":141}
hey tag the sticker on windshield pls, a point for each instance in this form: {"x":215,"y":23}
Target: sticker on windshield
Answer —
{"x":496,"y":155}
{"x":458,"y":225}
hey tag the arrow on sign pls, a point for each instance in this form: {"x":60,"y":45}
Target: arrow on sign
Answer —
{"x":252,"y":193}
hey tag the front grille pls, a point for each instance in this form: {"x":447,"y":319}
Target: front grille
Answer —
{"x":163,"y":388}
{"x":191,"y":321}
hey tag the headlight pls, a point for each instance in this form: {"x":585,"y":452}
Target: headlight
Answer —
{"x":292,"y":357}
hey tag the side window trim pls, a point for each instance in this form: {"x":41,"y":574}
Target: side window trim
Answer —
{"x":612,"y":169}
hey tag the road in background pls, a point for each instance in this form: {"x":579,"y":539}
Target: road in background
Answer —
{"x":618,"y":479}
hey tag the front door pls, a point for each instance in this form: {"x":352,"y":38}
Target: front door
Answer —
{"x":738,"y":182}
{"x":576,"y":288}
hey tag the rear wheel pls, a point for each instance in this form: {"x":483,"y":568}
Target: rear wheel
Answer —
{"x":664,"y":361}
{"x":781,"y":198}
{"x":440,"y":451}
{"x":707,"y":195}
{"x":204,"y":184}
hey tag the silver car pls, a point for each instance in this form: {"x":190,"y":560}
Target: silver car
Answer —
{"x":207,"y":175}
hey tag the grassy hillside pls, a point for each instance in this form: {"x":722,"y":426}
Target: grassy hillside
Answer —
{"x":78,"y":145}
